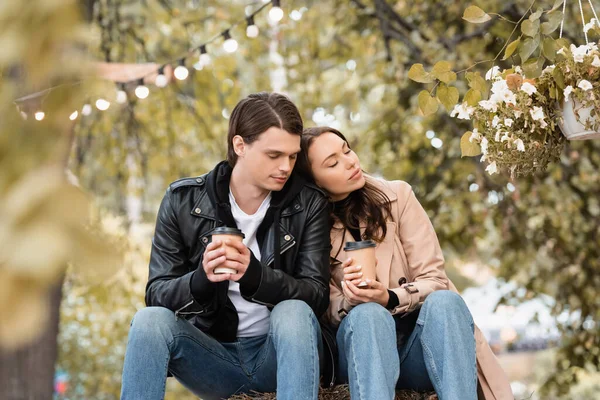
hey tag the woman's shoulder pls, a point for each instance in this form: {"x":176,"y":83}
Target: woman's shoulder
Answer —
{"x":395,"y":190}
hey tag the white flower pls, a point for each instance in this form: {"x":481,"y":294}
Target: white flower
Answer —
{"x":491,"y":168}
{"x":484,"y":146}
{"x":488,"y":105}
{"x":567,"y":92}
{"x":537,"y":113}
{"x":509,"y":97}
{"x":518,"y":70}
{"x":508,"y":122}
{"x":505,"y":137}
{"x":475,"y":136}
{"x":495,"y":121}
{"x":518,"y":114}
{"x":501,"y":92}
{"x":596,"y":62}
{"x":589,"y":25}
{"x":579,"y":52}
{"x":497,"y":137}
{"x":548,"y":69}
{"x":492,"y":73}
{"x":463,"y":111}
{"x":500,"y":86}
{"x":528,"y":88}
{"x":585,"y":85}
{"x":520,"y":145}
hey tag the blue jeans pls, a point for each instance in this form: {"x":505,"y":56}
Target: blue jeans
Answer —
{"x":285,"y":360}
{"x":438,"y":355}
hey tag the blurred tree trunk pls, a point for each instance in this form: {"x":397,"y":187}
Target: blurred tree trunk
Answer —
{"x":28,"y":373}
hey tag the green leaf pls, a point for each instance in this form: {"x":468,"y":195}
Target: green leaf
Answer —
{"x":529,"y":46}
{"x":442,"y":70}
{"x":559,"y":78}
{"x":476,"y":15}
{"x":418,"y":74}
{"x":554,"y":20}
{"x":533,"y":67}
{"x":447,"y":95}
{"x":530,"y":28}
{"x":557,"y":4}
{"x":472,"y":97}
{"x":427,"y":104}
{"x":536,"y":15}
{"x":476,"y":81}
{"x":549,"y":49}
{"x":511,"y":48}
{"x":467,"y":148}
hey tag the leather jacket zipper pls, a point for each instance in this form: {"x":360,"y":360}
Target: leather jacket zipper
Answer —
{"x":283,"y":250}
{"x":179,"y":312}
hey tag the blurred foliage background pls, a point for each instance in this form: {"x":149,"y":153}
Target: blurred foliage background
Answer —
{"x":344,"y":64}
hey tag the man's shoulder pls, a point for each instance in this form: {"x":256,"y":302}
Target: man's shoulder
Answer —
{"x":312,"y":189}
{"x":195,"y":181}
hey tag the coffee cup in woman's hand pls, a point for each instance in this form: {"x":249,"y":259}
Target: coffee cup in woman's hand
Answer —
{"x":363,"y":258}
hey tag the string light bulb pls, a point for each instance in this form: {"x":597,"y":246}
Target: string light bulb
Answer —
{"x":181,"y":72}
{"x":276,"y":13}
{"x":102,"y":104}
{"x":86,"y":109}
{"x":204,"y":57}
{"x":39,"y":115}
{"x":141,"y":91}
{"x":73,"y":115}
{"x":121,"y":94}
{"x":230,"y":44}
{"x":161,"y":79}
{"x":252,"y":29}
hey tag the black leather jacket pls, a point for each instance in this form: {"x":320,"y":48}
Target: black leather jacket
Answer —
{"x":297,"y":225}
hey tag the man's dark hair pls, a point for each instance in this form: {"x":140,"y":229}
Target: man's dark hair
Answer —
{"x":259,"y":112}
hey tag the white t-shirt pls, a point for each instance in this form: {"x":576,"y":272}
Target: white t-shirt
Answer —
{"x":253,"y":318}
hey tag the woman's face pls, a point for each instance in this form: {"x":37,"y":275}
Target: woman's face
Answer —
{"x":335,"y":167}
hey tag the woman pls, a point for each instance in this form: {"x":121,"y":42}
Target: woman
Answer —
{"x":409,"y":328}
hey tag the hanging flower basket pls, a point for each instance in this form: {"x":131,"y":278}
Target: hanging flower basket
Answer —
{"x":578,"y":123}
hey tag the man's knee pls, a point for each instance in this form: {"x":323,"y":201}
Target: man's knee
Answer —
{"x":293,"y":318}
{"x":151,"y":320}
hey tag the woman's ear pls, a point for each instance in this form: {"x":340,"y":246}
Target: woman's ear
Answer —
{"x":239,"y":146}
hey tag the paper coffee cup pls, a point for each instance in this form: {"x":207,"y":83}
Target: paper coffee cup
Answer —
{"x":223,"y":234}
{"x":363,"y":254}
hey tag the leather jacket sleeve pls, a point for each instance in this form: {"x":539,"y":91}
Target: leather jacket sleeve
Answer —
{"x":170,"y":273}
{"x":309,"y":281}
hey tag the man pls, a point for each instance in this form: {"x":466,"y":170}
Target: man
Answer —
{"x":257,"y":329}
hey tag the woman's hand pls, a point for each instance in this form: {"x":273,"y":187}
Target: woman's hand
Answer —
{"x":374,"y":293}
{"x":352,"y":273}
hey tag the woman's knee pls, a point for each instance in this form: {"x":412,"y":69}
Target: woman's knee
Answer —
{"x":446,"y":304}
{"x":370,"y":312}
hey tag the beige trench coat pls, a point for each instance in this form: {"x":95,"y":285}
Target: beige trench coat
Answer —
{"x":411,"y":250}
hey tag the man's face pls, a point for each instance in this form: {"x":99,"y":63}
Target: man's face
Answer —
{"x":269,"y":160}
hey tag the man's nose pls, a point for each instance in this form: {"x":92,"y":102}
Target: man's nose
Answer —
{"x":286,"y":165}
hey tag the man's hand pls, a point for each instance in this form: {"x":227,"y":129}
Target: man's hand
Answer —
{"x":239,"y":261}
{"x":214,"y":256}
{"x":375,"y":292}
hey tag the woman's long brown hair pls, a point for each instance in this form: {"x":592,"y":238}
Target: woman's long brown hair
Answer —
{"x":369,"y":202}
